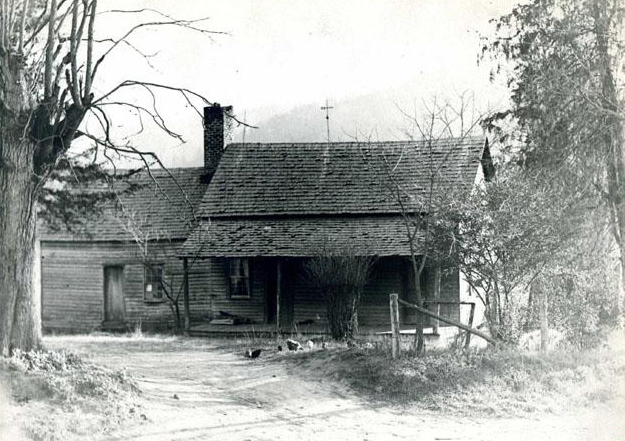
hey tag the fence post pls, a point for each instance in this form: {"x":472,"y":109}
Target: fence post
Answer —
{"x":394,"y":325}
{"x":471,"y":314}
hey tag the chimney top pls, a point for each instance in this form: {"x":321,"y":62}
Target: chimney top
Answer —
{"x":216,"y":130}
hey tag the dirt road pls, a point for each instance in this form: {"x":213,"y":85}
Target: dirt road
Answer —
{"x":196,"y":390}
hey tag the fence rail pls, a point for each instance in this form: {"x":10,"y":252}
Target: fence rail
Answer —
{"x":395,"y":326}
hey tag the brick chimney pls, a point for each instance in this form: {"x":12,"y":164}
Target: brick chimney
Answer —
{"x":215,"y":134}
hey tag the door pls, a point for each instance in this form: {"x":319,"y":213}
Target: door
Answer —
{"x":113,"y":294}
{"x":288,"y":271}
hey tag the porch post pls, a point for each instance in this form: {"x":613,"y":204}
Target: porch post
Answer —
{"x":185,"y":295}
{"x":278,"y":292}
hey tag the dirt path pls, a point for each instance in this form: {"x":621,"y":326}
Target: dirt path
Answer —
{"x":195,"y":390}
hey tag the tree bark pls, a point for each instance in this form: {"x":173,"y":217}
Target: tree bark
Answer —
{"x":20,"y":321}
{"x":418,"y":343}
{"x":177,"y":317}
{"x":20,"y":325}
{"x":437,"y":296}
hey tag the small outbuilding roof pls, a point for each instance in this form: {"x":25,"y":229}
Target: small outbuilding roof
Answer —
{"x":164,"y":204}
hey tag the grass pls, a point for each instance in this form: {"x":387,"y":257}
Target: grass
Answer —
{"x":497,"y":382}
{"x":64,"y":398}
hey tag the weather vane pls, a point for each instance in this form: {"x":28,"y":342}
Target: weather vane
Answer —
{"x":327,"y":109}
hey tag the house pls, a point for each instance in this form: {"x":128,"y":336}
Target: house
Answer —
{"x":259,"y":212}
{"x":269,"y":206}
{"x":94,"y":276}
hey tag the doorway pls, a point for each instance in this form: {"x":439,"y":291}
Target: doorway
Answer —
{"x":114,"y":308}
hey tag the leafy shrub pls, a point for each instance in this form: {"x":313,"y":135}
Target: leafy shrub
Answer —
{"x":581,"y":302}
{"x":510,"y":326}
{"x":340,"y":272}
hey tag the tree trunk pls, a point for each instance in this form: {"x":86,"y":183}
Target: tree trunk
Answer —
{"x":615,"y":158}
{"x":177,"y":317}
{"x":20,"y":320}
{"x":544,"y":322}
{"x":418,"y":343}
{"x":20,"y":325}
{"x":614,"y":138}
{"x":185,"y":294}
{"x":617,"y":202}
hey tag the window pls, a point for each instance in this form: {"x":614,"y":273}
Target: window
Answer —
{"x":239,"y":278}
{"x":152,"y":283}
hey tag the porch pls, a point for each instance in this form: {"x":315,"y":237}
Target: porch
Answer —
{"x":205,"y":329}
{"x":273,"y":293}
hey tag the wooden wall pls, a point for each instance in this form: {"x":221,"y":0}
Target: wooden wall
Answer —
{"x":389,"y":275}
{"x":73,"y":284}
{"x":73,"y":288}
{"x":215,"y":285}
{"x":449,"y":291}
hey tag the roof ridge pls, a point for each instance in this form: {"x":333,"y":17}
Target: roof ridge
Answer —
{"x":158,"y":169}
{"x":477,"y":138}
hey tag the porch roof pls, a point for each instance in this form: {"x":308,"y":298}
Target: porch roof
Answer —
{"x":296,"y":236}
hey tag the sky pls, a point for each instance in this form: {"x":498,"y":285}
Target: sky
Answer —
{"x":278,"y":61}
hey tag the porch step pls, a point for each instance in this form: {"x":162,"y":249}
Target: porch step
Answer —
{"x":265,"y":330}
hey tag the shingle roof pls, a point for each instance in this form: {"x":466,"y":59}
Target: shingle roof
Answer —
{"x":163,"y":204}
{"x":296,"y":236}
{"x":335,"y":178}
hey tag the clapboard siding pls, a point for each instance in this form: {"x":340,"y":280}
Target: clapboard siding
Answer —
{"x":73,"y":288}
{"x":73,"y":284}
{"x":308,"y":303}
{"x":302,"y":302}
{"x":215,"y":285}
{"x":387,"y":277}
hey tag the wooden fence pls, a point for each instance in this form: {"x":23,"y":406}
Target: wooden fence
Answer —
{"x":395,"y":324}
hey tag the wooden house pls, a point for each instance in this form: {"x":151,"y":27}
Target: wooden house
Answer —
{"x":98,"y":277}
{"x":269,"y":207}
{"x":259,"y":211}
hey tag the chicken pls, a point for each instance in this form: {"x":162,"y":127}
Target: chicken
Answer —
{"x":294,"y":345}
{"x":253,"y":353}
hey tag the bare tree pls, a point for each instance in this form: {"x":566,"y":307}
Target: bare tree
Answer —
{"x":422,"y":208}
{"x":50,"y":59}
{"x":155,"y":248}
